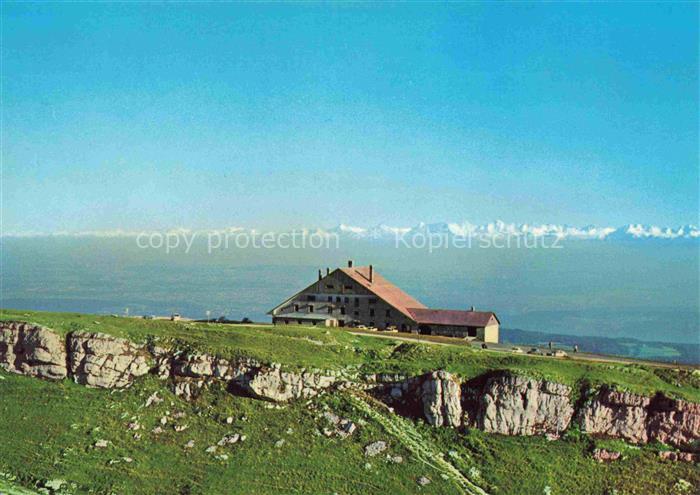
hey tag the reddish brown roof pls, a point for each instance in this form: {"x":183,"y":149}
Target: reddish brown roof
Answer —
{"x":427,"y":316}
{"x":384,"y":289}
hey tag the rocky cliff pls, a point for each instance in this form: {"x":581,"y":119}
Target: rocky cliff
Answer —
{"x":499,"y":402}
{"x":640,"y":419}
{"x":32,"y":350}
{"x":99,"y":360}
{"x":517,"y":405}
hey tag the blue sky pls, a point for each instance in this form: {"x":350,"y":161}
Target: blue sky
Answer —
{"x":146,"y":115}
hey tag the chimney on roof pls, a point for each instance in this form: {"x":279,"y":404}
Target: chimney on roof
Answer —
{"x":371,"y":273}
{"x":349,"y":263}
{"x":472,"y":309}
{"x":328,"y":271}
{"x":319,"y":275}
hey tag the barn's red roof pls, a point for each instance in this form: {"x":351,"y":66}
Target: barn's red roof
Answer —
{"x":453,"y":317}
{"x":383,"y":289}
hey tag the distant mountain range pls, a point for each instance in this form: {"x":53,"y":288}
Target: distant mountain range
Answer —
{"x":465,"y":229}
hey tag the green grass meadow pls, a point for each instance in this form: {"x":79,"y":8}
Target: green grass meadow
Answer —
{"x":48,"y":430}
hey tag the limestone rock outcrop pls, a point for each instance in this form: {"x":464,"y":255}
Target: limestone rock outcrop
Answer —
{"x":32,"y":350}
{"x":640,"y":419}
{"x":273,"y":384}
{"x":441,"y":397}
{"x":673,"y":422}
{"x":499,"y":402}
{"x":163,"y":361}
{"x":100,"y":360}
{"x":517,"y":405}
{"x":616,"y":414}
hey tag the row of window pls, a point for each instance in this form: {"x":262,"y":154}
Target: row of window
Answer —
{"x":387,"y":313}
{"x":371,"y":300}
{"x":345,"y":287}
{"x":371,"y":324}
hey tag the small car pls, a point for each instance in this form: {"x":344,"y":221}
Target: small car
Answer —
{"x":535,"y":351}
{"x":516,"y":350}
{"x":148,"y":317}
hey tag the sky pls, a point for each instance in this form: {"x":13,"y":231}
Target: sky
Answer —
{"x":150,"y":115}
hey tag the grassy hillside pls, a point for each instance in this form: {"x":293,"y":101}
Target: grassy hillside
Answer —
{"x":50,"y":432}
{"x":310,"y":347}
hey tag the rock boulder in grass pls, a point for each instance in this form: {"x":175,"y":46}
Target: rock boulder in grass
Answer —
{"x":32,"y":350}
{"x":679,"y":456}
{"x":375,"y":448}
{"x":604,"y":455}
{"x":517,"y":405}
{"x":441,"y":398}
{"x":99,"y":360}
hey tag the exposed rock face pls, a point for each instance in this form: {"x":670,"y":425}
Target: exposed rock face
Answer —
{"x":271,"y":383}
{"x":100,"y":360}
{"x":32,"y":350}
{"x":516,"y":405}
{"x":640,"y":419}
{"x":163,"y":361}
{"x":193,"y":366}
{"x":441,"y":396}
{"x":674,"y":422}
{"x":616,"y":414}
{"x":498,"y":403}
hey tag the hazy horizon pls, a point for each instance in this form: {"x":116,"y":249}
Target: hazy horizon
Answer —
{"x":585,"y":288}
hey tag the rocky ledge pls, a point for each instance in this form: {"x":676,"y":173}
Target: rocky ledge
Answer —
{"x":509,"y":404}
{"x":640,"y":419}
{"x":498,"y":402}
{"x":32,"y":350}
{"x":100,"y":360}
{"x":517,"y":405}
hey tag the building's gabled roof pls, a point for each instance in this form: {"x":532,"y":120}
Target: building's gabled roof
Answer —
{"x":383,"y":289}
{"x":402,"y":302}
{"x":423,"y":315}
